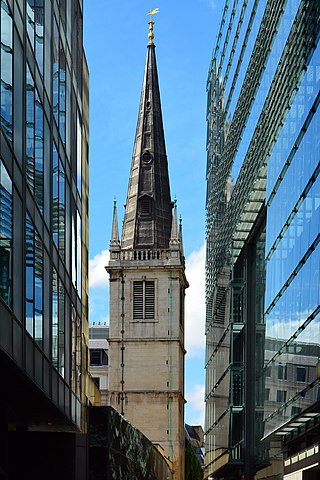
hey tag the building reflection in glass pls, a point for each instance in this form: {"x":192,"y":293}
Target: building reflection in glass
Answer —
{"x":5,"y":235}
{"x":6,"y":76}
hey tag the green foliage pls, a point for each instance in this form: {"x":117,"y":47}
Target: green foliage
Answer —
{"x":193,"y":470}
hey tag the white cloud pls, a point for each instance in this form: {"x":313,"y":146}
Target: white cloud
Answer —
{"x":283,"y":330}
{"x":195,"y":302}
{"x":98,"y":276}
{"x":211,"y":3}
{"x":195,"y":400}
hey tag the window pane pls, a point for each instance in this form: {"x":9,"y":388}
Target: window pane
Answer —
{"x":62,"y":209}
{"x":54,"y":318}
{"x":39,"y":22}
{"x":30,"y":20}
{"x":39,"y":152}
{"x":55,"y":71}
{"x":79,"y":154}
{"x":95,"y":357}
{"x":34,"y":282}
{"x":55,"y":196}
{"x":61,"y":328}
{"x":30,"y":128}
{"x":79,"y":246}
{"x":301,"y":374}
{"x":38,"y":289}
{"x":62,"y":94}
{"x":5,"y":236}
{"x":73,"y":251}
{"x":6,"y":70}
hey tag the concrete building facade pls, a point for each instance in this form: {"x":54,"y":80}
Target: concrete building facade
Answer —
{"x":147,"y":289}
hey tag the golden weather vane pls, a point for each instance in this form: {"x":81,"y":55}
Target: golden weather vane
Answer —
{"x":151,"y":23}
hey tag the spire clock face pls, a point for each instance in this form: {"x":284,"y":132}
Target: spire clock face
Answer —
{"x":147,"y":158}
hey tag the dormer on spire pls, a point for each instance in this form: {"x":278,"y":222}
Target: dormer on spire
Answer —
{"x":115,"y":242}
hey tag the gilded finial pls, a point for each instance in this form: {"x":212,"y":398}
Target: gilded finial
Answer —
{"x":151,"y":23}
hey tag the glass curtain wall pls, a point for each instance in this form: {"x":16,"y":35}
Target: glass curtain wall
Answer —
{"x":44,"y":193}
{"x":262,"y":149}
{"x":293,"y":256}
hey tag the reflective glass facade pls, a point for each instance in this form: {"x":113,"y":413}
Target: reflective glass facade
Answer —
{"x":44,"y":209}
{"x":293,"y":255}
{"x":263,"y":224}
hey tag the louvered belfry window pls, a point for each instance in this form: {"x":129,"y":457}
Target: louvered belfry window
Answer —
{"x":143,"y":300}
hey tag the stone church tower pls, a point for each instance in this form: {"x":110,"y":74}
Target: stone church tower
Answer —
{"x":147,"y":289}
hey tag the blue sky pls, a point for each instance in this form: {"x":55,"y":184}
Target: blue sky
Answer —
{"x":115,"y":39}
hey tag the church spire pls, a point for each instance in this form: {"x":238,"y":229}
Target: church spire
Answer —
{"x":148,"y":213}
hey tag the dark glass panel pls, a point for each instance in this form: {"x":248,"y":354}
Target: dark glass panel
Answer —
{"x":29,"y":275}
{"x":96,"y":357}
{"x":18,"y":97}
{"x":6,"y":69}
{"x":62,"y":209}
{"x":38,"y":152}
{"x":301,"y":374}
{"x":39,"y":20}
{"x":55,"y":310}
{"x":29,"y":316}
{"x":30,"y":20}
{"x":62,"y":94}
{"x":61,"y":329}
{"x":79,"y":155}
{"x":55,"y":71}
{"x":73,"y":250}
{"x":30,"y":129}
{"x":6,"y":219}
{"x":79,"y":253}
{"x":34,"y":282}
{"x":55,"y":196}
{"x":34,"y":140}
{"x":62,"y":9}
{"x":38,"y":288}
{"x":35,"y":28}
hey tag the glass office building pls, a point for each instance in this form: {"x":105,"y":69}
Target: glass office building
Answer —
{"x":43,"y":214}
{"x":263,"y":224}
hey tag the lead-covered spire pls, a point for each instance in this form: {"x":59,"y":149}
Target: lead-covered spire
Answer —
{"x":148,"y":211}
